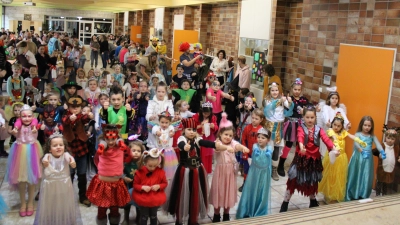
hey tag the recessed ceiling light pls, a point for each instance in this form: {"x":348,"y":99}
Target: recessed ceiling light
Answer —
{"x":79,"y":17}
{"x":104,"y":19}
{"x":62,"y":17}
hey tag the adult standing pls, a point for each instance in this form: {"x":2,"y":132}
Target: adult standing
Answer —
{"x":243,"y":72}
{"x":147,"y":66}
{"x":44,"y":62}
{"x":220,"y":66}
{"x":54,"y":44}
{"x":187,"y":60}
{"x":104,"y":51}
{"x":153,"y":47}
{"x":94,"y":54}
{"x":268,"y":72}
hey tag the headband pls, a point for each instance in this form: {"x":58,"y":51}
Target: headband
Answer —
{"x":154,"y":153}
{"x":206,"y":105}
{"x":273,"y":84}
{"x":297,"y":82}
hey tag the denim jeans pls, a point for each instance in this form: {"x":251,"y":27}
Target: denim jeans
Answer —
{"x":81,"y":165}
{"x":94,"y":58}
{"x":104,"y":58}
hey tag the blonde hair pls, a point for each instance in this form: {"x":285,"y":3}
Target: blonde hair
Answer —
{"x":258,"y":112}
{"x":242,"y":59}
{"x":80,"y":70}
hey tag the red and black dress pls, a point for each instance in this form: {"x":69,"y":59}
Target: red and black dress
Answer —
{"x":189,"y":191}
{"x":305,"y":172}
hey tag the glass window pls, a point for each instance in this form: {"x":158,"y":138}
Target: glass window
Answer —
{"x":56,"y":25}
{"x":102,"y":27}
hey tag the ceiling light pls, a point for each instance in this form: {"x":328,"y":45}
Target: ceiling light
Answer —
{"x":62,"y":17}
{"x":104,"y":19}
{"x":79,"y":17}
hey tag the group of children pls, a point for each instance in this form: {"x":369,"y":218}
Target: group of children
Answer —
{"x":153,"y":146}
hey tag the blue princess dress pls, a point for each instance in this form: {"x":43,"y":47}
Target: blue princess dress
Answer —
{"x":361,"y":169}
{"x":255,"y":200}
{"x":3,"y":207}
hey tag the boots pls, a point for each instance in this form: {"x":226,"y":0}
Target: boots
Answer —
{"x":114,"y":220}
{"x":101,"y":222}
{"x":281,"y":165}
{"x":82,"y":182}
{"x":217,"y":218}
{"x":274,"y":174}
{"x":225,"y":217}
{"x":127,"y":210}
{"x":284,"y":207}
{"x":314,"y":203}
{"x":241,"y":187}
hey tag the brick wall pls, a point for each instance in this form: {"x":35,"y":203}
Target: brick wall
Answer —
{"x":119,"y":23}
{"x":169,"y":25}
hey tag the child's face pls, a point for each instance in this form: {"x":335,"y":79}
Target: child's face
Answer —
{"x":143,"y":87}
{"x":75,"y":109}
{"x":103,"y":99}
{"x":185,"y":86}
{"x":117,"y":70}
{"x":296,"y":90}
{"x":86,"y":110}
{"x":164,"y":123}
{"x":61,"y":71}
{"x":262,"y":140}
{"x":117,"y":100}
{"x":255,"y":120}
{"x":57,"y":147}
{"x":241,"y":94}
{"x":81,"y":75}
{"x":136,"y":152}
{"x":309,"y":118}
{"x":227,"y":136}
{"x":92,"y":85}
{"x":132,"y":80}
{"x":184,"y":107}
{"x":96,"y":73}
{"x":26,"y":117}
{"x":179,"y":70}
{"x":334,"y":100}
{"x":53,"y":100}
{"x":33,"y":72}
{"x":177,"y":115}
{"x":16,"y":71}
{"x":190,"y":133}
{"x":211,"y":79}
{"x":390,"y":141}
{"x":248,"y":103}
{"x":367,"y":125}
{"x":154,"y":81}
{"x":215,"y":85}
{"x":17,"y":111}
{"x":103,"y":83}
{"x":337,"y":126}
{"x":90,"y":73}
{"x":206,"y":114}
{"x":71,"y":90}
{"x":274,"y":92}
{"x":161,"y":92}
{"x":151,"y":164}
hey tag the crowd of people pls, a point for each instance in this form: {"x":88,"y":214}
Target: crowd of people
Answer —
{"x":140,"y":136}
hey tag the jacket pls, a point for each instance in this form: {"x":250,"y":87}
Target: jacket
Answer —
{"x":143,"y":177}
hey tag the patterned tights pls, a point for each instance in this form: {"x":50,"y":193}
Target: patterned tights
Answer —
{"x":102,"y":212}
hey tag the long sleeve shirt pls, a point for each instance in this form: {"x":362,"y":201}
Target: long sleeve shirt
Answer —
{"x":219,"y":64}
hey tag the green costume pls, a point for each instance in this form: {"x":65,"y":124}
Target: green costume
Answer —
{"x":119,"y":118}
{"x":184,"y":95}
{"x":130,"y":170}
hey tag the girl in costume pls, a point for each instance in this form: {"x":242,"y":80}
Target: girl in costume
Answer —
{"x":210,"y":79}
{"x":215,"y":95}
{"x":107,"y":189}
{"x":149,"y":185}
{"x":139,"y":103}
{"x":131,"y":86}
{"x":118,"y":76}
{"x":334,"y":176}
{"x":92,"y":92}
{"x":290,"y":126}
{"x":385,"y":170}
{"x":82,"y":80}
{"x":276,"y":108}
{"x":178,"y":131}
{"x":207,"y":127}
{"x":3,"y":129}
{"x":103,"y":86}
{"x":256,"y":196}
{"x":12,"y":118}
{"x":223,"y":192}
{"x":16,"y":84}
{"x":70,"y":90}
{"x":306,"y":169}
{"x":249,"y":138}
{"x":23,"y":165}
{"x":163,"y":134}
{"x":361,"y":166}
{"x":189,"y":191}
{"x":48,"y":126}
{"x":57,"y":181}
{"x":183,"y":107}
{"x":244,"y":114}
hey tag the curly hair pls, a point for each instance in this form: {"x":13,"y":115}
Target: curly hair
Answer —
{"x":47,"y":145}
{"x":269,"y":69}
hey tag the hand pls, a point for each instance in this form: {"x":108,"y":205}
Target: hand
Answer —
{"x":128,"y":107}
{"x":34,"y":130}
{"x":171,"y":133}
{"x":245,"y":149}
{"x":90,"y":115}
{"x":232,"y":98}
{"x":146,"y":188}
{"x":128,"y":180}
{"x":383,"y":154}
{"x":201,"y":86}
{"x":155,"y":187}
{"x":65,"y":106}
{"x":289,"y":99}
{"x":14,"y":131}
{"x":158,"y":133}
{"x":328,"y":124}
{"x":147,"y":98}
{"x":230,"y":149}
{"x":187,"y":146}
{"x":302,"y":150}
{"x":72,"y":117}
{"x":138,"y":96}
{"x":33,"y":108}
{"x":365,"y":154}
{"x":212,"y":126}
{"x":42,"y":127}
{"x":348,"y":126}
{"x":213,"y":98}
{"x":337,"y":153}
{"x":240,"y":106}
{"x":88,"y":133}
{"x":46,"y":162}
{"x":193,"y":84}
{"x":72,"y":163}
{"x":106,"y":105}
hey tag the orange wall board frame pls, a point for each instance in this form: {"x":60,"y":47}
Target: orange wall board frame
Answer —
{"x":136,"y":34}
{"x":181,"y":36}
{"x":364,"y":79}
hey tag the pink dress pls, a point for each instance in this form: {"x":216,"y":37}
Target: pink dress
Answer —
{"x":217,"y":105}
{"x":223,"y":192}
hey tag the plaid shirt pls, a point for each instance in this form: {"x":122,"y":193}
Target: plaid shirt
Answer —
{"x":77,"y":147}
{"x":49,"y":130}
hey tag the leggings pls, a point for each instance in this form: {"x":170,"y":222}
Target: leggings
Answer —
{"x":94,"y":58}
{"x":275,"y":154}
{"x":102,"y":212}
{"x":381,"y":188}
{"x":146,"y":212}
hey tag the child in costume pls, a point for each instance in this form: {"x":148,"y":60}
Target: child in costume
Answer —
{"x":183,"y":109}
{"x":92,"y":93}
{"x":182,"y":200}
{"x":198,"y":51}
{"x":149,"y":185}
{"x":12,"y":118}
{"x":91,"y":144}
{"x":74,"y":132}
{"x":290,"y":126}
{"x":130,"y":168}
{"x":163,"y":134}
{"x":62,"y":77}
{"x":361,"y":166}
{"x":276,"y":108}
{"x":117,"y":113}
{"x":215,"y":95}
{"x":71,"y":89}
{"x":223,"y":192}
{"x":269,"y":78}
{"x":57,"y":181}
{"x":385,"y":170}
{"x":210,"y":79}
{"x":178,"y":131}
{"x":32,"y":93}
{"x":172,"y":87}
{"x":48,"y":126}
{"x":103,"y":98}
{"x":153,"y":86}
{"x":15,"y":84}
{"x":249,"y":138}
{"x":244,"y":114}
{"x":256,"y":196}
{"x":23,"y":165}
{"x":118,"y":76}
{"x":305,"y":172}
{"x":334,"y":176}
{"x":82,"y":80}
{"x":139,"y":103}
{"x":207,"y":127}
{"x":53,"y":99}
{"x":107,"y":189}
{"x":103,"y":86}
{"x":185,"y":94}
{"x":131,"y":86}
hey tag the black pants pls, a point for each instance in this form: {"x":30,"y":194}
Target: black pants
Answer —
{"x":221,"y":80}
{"x":146,"y":212}
{"x":381,"y":188}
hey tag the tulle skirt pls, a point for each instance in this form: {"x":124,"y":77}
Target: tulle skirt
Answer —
{"x":3,"y":207}
{"x":334,"y":178}
{"x":23,"y":164}
{"x":223,"y":191}
{"x":290,"y":129}
{"x":106,"y":194}
{"x":171,"y":163}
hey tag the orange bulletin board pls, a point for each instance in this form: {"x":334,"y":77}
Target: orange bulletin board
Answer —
{"x":181,"y":36}
{"x":363,"y":81}
{"x":136,"y":34}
